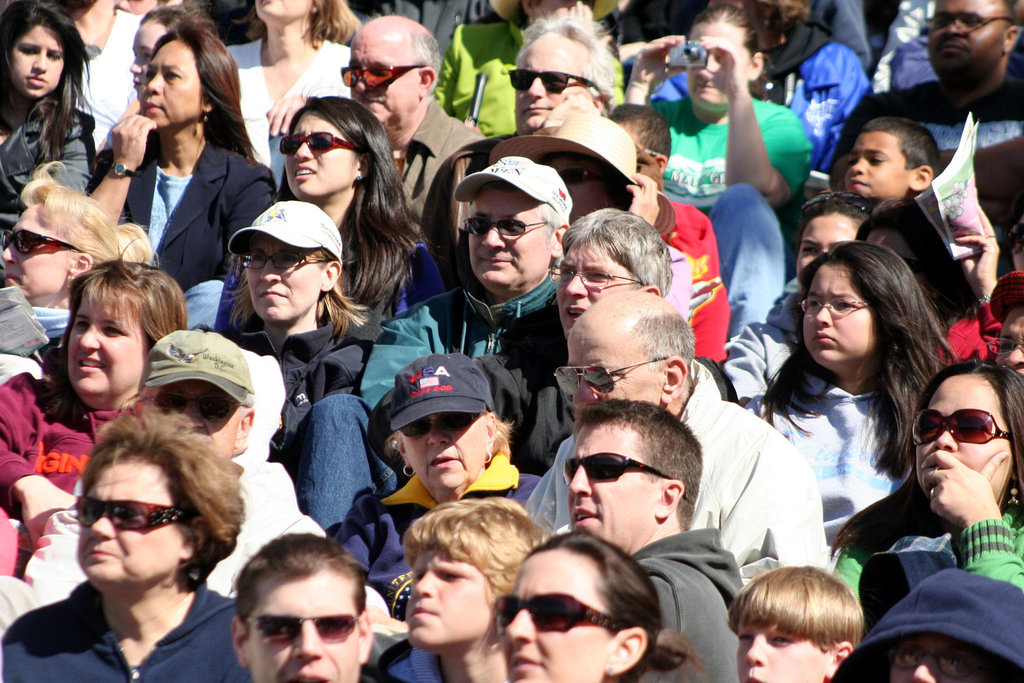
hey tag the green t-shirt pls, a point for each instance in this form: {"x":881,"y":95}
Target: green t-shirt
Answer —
{"x":696,"y":169}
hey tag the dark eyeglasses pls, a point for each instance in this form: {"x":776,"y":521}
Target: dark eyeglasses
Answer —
{"x":591,"y":279}
{"x":210,"y":408}
{"x":317,"y":142}
{"x":282,"y":629}
{"x":282,"y":260}
{"x":507,"y":227}
{"x":1015,"y":237}
{"x":575,"y":176}
{"x":858,"y":202}
{"x":969,"y":21}
{"x":130,"y":515}
{"x":951,"y":663}
{"x":967,"y":425}
{"x":554,"y":612}
{"x":28,"y":242}
{"x":553,"y":81}
{"x":1004,"y":346}
{"x":375,"y":76}
{"x":607,"y":467}
{"x":601,"y":379}
{"x":446,"y":422}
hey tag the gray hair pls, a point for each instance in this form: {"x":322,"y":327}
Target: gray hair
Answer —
{"x":628,"y":240}
{"x":664,"y":333}
{"x":600,"y":68}
{"x":426,"y":51}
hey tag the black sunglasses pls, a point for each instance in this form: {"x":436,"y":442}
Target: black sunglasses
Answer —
{"x":317,"y":142}
{"x":210,"y":408}
{"x":553,"y":81}
{"x":967,"y":425}
{"x":553,"y":612}
{"x":1015,"y":237}
{"x":283,"y":628}
{"x":28,"y":242}
{"x":129,"y":515}
{"x":607,"y":467}
{"x":600,"y":378}
{"x":446,"y":422}
{"x":507,"y":227}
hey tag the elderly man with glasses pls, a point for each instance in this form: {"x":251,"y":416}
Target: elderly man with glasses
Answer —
{"x":755,"y":488}
{"x":393,"y":71}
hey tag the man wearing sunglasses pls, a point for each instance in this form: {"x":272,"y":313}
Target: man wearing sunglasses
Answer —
{"x":633,"y":480}
{"x":969,"y":46}
{"x":520,"y":210}
{"x":559,"y":71}
{"x":206,"y":378}
{"x":596,"y":158}
{"x":755,"y":488}
{"x":301,"y":613}
{"x":393,"y":72}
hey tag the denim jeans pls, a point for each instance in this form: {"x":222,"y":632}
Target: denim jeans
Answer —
{"x":752,"y":253}
{"x":338,"y":464}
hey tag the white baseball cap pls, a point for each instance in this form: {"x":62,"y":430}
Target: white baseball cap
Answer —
{"x":299,"y":224}
{"x":540,"y":182}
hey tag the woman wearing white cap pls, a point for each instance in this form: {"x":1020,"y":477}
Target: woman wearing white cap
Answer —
{"x":291,"y":304}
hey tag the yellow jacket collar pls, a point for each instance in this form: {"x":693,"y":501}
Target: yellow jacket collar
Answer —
{"x":500,"y":475}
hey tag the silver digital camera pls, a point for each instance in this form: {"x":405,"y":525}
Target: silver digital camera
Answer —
{"x":689,"y":55}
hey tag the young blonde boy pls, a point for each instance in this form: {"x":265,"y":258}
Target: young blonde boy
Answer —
{"x":795,"y":625}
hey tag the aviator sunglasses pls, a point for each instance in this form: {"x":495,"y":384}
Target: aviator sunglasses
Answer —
{"x":967,"y":425}
{"x":553,"y":612}
{"x":446,"y":422}
{"x":210,"y":408}
{"x":129,"y":515}
{"x":284,"y":628}
{"x":553,"y":81}
{"x":318,"y":142}
{"x":28,"y":242}
{"x":601,"y":379}
{"x":606,"y":467}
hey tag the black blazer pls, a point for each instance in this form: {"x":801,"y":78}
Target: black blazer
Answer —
{"x":226,"y":194}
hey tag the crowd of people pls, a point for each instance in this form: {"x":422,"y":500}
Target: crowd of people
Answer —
{"x":555,"y":340}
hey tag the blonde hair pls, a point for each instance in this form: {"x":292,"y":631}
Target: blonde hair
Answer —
{"x":331,"y":20}
{"x":333,"y":305}
{"x":806,"y":602}
{"x":81,"y":222}
{"x":493,"y":534}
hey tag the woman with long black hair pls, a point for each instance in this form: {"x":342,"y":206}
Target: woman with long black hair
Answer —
{"x":42,"y":62}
